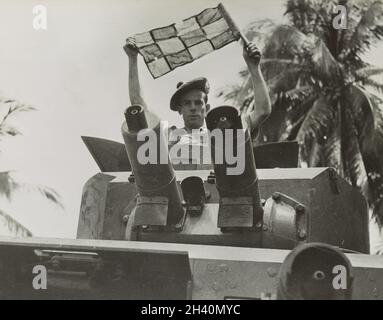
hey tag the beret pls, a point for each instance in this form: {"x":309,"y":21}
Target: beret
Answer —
{"x":198,"y":84}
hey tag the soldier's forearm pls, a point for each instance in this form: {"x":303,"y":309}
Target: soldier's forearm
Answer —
{"x":262,"y":101}
{"x":135,"y":92}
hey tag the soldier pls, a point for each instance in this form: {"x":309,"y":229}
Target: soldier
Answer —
{"x":191,"y":98}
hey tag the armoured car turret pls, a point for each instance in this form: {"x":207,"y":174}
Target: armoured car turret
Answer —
{"x":163,"y":231}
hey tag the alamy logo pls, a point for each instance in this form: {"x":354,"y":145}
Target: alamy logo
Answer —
{"x":340,"y":20}
{"x":40,"y":280}
{"x":229,"y":147}
{"x":339,"y":282}
{"x":40,"y":17}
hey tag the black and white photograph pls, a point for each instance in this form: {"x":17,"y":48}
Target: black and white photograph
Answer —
{"x":177,"y":150}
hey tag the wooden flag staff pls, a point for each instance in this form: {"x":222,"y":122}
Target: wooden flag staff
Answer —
{"x":233,"y":26}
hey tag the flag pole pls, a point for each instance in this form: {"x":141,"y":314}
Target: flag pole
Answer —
{"x":233,"y":26}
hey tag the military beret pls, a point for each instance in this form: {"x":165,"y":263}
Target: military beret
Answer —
{"x":195,"y":84}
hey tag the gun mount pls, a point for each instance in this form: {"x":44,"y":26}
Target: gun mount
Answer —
{"x":261,"y":208}
{"x":158,"y":231}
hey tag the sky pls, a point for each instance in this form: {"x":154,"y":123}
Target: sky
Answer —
{"x":76,"y":74}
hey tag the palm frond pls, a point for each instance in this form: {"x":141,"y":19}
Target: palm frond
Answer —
{"x":352,"y":154}
{"x":378,"y":123}
{"x":47,"y":192}
{"x":7,"y":184}
{"x":370,"y":119}
{"x":376,"y":85}
{"x":258,"y":31}
{"x":309,"y":16}
{"x":374,"y":166}
{"x":281,"y":82}
{"x":13,"y":226}
{"x":229,"y":92}
{"x":294,"y":128}
{"x":354,"y":15}
{"x":299,"y":93}
{"x":275,"y":67}
{"x":20,"y":107}
{"x":368,"y":30}
{"x":373,"y":16}
{"x":332,"y":146}
{"x":318,"y":122}
{"x":13,"y":107}
{"x":368,"y":71}
{"x":285,"y":42}
{"x":311,"y":153}
{"x":244,"y":73}
{"x":8,"y":130}
{"x":51,"y":195}
{"x":362,"y":109}
{"x":299,"y":108}
{"x":239,"y":94}
{"x":324,"y":62}
{"x":284,"y":81}
{"x":9,"y":109}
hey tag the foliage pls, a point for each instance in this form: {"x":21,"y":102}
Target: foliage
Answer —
{"x":324,"y":94}
{"x":9,"y":110}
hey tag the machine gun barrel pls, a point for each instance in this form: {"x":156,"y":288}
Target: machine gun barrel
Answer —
{"x":238,"y":189}
{"x":159,"y":202}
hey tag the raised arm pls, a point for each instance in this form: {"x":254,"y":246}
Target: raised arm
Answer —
{"x":135,"y":92}
{"x":262,"y":103}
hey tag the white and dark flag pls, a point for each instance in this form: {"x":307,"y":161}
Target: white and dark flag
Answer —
{"x":170,"y":47}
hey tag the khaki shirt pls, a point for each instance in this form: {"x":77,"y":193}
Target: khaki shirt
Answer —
{"x":193,"y":148}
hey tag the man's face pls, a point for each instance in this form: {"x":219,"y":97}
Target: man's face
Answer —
{"x":193,"y":108}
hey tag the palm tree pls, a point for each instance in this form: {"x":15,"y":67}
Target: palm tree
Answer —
{"x":9,"y":109}
{"x":324,"y":94}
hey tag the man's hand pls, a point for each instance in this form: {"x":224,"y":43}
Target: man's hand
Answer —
{"x":252,"y":54}
{"x":131,"y":48}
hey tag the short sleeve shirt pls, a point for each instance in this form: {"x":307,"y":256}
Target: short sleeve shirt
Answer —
{"x":193,"y":147}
